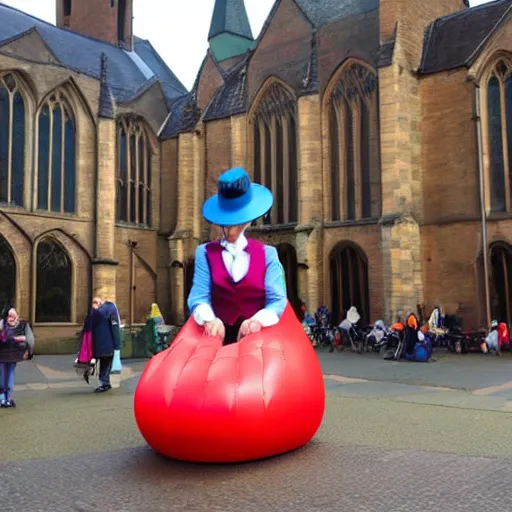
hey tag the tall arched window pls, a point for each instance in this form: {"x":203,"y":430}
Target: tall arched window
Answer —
{"x":12,"y":141}
{"x":134,"y":201}
{"x":349,"y":282}
{"x":53,"y":285}
{"x":353,"y":143}
{"x":8,"y":275}
{"x":56,"y":164}
{"x":275,"y":152}
{"x":499,"y":121}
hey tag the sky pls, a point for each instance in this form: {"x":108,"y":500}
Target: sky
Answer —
{"x":178,"y":29}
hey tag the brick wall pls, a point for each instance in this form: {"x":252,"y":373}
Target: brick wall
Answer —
{"x":449,"y":161}
{"x":412,"y":16}
{"x":209,"y":81}
{"x":169,"y":186}
{"x":96,"y":18}
{"x":357,"y":36}
{"x":282,"y":50}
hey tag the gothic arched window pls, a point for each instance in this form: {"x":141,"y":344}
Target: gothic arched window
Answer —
{"x":56,"y":168}
{"x":349,"y":282}
{"x":8,"y":275}
{"x":134,"y":201}
{"x":12,"y":141}
{"x":275,"y":152}
{"x":353,"y":143}
{"x":499,"y":120}
{"x":53,"y":285}
{"x":501,"y":282}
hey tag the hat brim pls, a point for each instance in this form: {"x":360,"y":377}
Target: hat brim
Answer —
{"x":261,"y":202}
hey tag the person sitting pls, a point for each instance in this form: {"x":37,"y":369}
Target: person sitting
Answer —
{"x":238,"y":286}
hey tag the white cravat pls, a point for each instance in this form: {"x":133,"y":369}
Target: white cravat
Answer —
{"x":235,"y":257}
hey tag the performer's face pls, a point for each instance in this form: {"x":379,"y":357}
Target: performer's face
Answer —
{"x":231,"y":233}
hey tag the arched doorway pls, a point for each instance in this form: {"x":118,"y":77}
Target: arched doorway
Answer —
{"x":7,"y":275}
{"x":288,"y":258}
{"x":349,"y":282}
{"x":53,"y":288}
{"x":500,"y":276}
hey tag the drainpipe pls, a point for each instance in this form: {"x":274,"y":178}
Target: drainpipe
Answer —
{"x":482,"y":206}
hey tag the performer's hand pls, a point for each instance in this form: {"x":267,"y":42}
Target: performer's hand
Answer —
{"x":215,"y":328}
{"x":249,"y":326}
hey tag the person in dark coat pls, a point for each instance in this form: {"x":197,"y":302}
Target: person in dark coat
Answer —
{"x":16,"y":345}
{"x":106,"y":338}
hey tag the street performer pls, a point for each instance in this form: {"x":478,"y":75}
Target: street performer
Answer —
{"x":238,"y":286}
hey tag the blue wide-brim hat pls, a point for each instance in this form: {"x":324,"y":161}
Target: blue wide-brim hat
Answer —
{"x":238,"y":200}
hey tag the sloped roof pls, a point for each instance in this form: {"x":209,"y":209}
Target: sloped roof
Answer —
{"x":230,"y":16}
{"x":129,"y":72}
{"x":453,"y":41}
{"x":183,"y":117}
{"x":323,"y":12}
{"x":231,"y":98}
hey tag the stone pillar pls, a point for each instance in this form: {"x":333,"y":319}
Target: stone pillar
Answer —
{"x":310,"y":261}
{"x":400,"y":116}
{"x":239,"y":141}
{"x":402,"y":270}
{"x":310,"y":160}
{"x":190,"y":225}
{"x":104,"y":263}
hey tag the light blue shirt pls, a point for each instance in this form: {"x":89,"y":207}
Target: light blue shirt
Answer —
{"x":275,"y":288}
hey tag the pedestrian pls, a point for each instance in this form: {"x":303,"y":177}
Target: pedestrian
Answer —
{"x":16,"y":345}
{"x":106,"y":338}
{"x":238,"y":286}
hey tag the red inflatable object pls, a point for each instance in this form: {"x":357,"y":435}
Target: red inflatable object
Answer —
{"x":202,"y":402}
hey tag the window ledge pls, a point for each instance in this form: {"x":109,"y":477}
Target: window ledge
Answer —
{"x":499,"y":215}
{"x":56,"y":324}
{"x":13,"y":207}
{"x":140,"y":227}
{"x":273,"y":227}
{"x":55,"y":215}
{"x":349,"y":223}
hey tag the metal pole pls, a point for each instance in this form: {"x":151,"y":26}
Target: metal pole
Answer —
{"x":482,"y":207}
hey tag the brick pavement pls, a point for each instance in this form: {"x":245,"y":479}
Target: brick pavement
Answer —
{"x":379,"y":449}
{"x":316,"y":478}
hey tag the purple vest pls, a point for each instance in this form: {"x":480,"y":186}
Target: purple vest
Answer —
{"x":231,"y":300}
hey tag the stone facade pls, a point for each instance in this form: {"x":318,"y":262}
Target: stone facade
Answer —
{"x":421,"y":242}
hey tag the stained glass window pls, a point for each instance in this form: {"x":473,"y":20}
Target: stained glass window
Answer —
{"x":275,"y":152}
{"x":350,"y":105}
{"x":134,"y":199}
{"x":12,"y":141}
{"x":56,"y":169}
{"x":496,"y":146}
{"x":8,"y":275}
{"x":53,"y":286}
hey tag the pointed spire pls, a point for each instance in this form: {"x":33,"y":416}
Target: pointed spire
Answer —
{"x":106,"y":109}
{"x":230,"y":16}
{"x":230,"y":32}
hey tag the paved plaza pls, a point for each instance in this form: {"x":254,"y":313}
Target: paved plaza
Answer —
{"x":395,"y":437}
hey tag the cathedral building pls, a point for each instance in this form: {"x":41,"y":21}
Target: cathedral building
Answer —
{"x":381,"y":126}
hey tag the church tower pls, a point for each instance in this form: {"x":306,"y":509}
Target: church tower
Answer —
{"x":230,"y":32}
{"x":108,"y":20}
